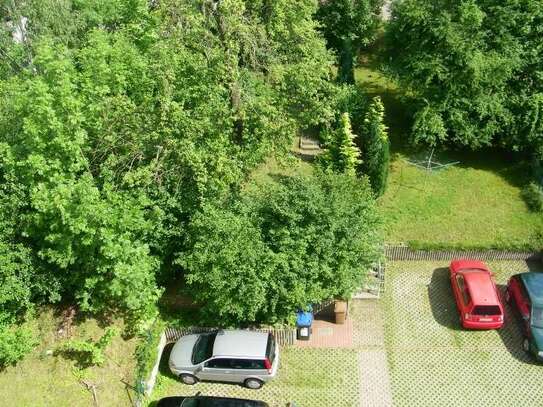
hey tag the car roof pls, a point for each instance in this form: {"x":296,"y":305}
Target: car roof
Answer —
{"x":480,"y":286}
{"x":176,"y":401}
{"x":238,"y":343}
{"x":465,"y":264}
{"x":534,"y":285}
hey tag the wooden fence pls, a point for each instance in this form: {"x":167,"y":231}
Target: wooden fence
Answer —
{"x":283,"y":336}
{"x":403,"y":252}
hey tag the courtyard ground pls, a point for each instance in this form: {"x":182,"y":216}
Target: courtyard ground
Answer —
{"x":309,"y":377}
{"x":433,"y":362}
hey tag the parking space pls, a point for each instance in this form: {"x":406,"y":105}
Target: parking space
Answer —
{"x":432,"y":361}
{"x":308,"y":377}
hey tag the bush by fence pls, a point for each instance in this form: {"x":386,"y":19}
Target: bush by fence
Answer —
{"x":533,"y":196}
{"x":147,"y":355}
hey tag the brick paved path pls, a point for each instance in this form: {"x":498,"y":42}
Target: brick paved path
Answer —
{"x":327,"y":334}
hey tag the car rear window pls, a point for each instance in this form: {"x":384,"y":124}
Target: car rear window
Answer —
{"x":270,"y":349}
{"x":487,"y":310}
{"x":203,"y":348}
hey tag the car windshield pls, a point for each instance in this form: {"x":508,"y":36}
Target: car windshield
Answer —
{"x":190,"y":402}
{"x":537,"y":317}
{"x":203,"y":349}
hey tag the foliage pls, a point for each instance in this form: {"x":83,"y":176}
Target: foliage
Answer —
{"x":146,"y":353}
{"x":347,"y":26}
{"x":87,"y":352}
{"x":375,"y":147}
{"x":282,"y":246}
{"x":474,"y":68}
{"x":120,"y":119}
{"x":533,"y":195}
{"x":15,"y":344}
{"x":341,"y":152}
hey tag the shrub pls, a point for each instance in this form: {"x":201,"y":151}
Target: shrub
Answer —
{"x":89,"y":353}
{"x":15,"y":344}
{"x":341,"y":153}
{"x":533,"y":196}
{"x":146,"y":353}
{"x":375,"y":147}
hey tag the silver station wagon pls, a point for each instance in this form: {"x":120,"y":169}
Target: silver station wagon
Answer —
{"x":247,"y":357}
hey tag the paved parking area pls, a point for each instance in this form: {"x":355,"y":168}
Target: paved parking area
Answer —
{"x":309,"y":377}
{"x":433,"y":362}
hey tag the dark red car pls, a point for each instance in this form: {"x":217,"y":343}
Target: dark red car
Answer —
{"x":476,"y":295}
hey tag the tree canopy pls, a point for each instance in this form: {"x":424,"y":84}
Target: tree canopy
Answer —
{"x":120,"y":119}
{"x":474,"y":68}
{"x":348,"y":26}
{"x":128,"y":133}
{"x":283,"y":246}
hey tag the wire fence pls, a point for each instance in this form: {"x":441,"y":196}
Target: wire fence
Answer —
{"x":405,"y":253}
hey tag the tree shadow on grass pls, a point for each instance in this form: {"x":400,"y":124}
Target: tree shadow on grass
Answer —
{"x":442,"y":301}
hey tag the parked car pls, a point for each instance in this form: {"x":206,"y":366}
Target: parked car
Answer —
{"x":247,"y":357}
{"x":476,"y":295}
{"x":204,"y":401}
{"x":525,"y":293}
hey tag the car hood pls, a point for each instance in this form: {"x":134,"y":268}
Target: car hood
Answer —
{"x":537,"y":334}
{"x":182,"y":351}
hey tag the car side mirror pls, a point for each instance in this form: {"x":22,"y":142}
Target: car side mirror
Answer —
{"x":199,"y":368}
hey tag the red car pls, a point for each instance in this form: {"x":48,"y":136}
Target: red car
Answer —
{"x":476,"y":295}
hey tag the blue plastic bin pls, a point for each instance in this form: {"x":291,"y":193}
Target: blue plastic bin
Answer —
{"x":304,"y":320}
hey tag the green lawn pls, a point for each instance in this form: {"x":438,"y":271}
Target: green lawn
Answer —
{"x":433,"y":362}
{"x":309,"y":377}
{"x":52,"y":380}
{"x":475,"y":203}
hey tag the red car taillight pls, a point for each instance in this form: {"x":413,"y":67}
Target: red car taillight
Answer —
{"x":467,"y":315}
{"x":268,"y":365}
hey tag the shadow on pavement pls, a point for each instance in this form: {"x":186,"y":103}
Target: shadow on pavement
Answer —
{"x":442,"y":301}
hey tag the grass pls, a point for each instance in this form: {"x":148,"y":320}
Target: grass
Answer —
{"x":433,"y":362}
{"x":44,"y":379}
{"x":476,"y":203}
{"x":287,"y":166}
{"x":308,"y":377}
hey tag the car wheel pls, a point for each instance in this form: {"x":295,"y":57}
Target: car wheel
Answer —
{"x":254,"y":384}
{"x":507,"y":297}
{"x":526,"y":345}
{"x":188,"y":379}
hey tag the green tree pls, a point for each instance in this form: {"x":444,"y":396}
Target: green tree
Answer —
{"x":474,"y":69}
{"x":349,"y":25}
{"x":341,"y":152}
{"x":87,"y":237}
{"x":282,"y":246}
{"x":375,"y":147}
{"x":121,"y":120}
